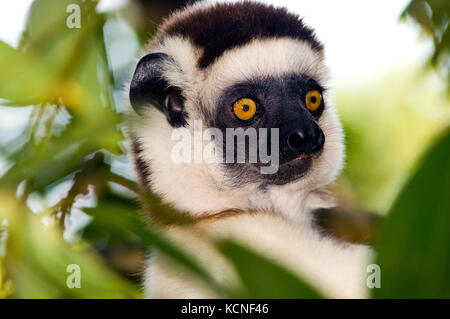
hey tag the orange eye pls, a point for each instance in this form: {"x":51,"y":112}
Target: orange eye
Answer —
{"x":313,"y":100}
{"x":244,"y":109}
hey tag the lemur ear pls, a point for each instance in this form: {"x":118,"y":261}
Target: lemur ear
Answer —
{"x":149,"y":88}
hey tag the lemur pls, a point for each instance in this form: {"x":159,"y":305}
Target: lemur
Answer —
{"x":241,"y":65}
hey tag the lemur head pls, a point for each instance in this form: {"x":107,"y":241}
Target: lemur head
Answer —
{"x":237,"y":68}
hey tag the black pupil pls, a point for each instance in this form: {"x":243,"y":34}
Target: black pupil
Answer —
{"x":313,"y":100}
{"x":245,"y":108}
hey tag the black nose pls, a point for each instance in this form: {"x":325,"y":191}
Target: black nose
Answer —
{"x":306,"y":140}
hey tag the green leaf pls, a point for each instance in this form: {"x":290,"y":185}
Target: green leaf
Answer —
{"x":54,"y":54}
{"x":418,"y":10}
{"x":263,"y":278}
{"x":44,"y":164}
{"x":37,"y":260}
{"x":39,"y":31}
{"x":115,"y":221}
{"x":18,"y":76}
{"x":113,"y":213}
{"x":413,"y":248}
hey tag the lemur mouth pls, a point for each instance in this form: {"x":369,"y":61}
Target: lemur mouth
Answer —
{"x":303,"y":162}
{"x":303,"y":157}
{"x":289,"y":171}
{"x":292,"y":170}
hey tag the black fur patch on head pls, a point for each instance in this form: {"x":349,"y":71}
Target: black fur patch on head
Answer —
{"x":141,"y":167}
{"x":148,"y":86}
{"x":225,"y":26}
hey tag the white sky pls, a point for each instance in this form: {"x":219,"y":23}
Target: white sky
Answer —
{"x":362,"y":39}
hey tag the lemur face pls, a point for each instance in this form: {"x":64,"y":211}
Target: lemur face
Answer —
{"x":292,"y":104}
{"x":235,"y":66}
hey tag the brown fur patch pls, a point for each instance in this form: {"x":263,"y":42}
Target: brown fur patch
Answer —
{"x":206,"y":220}
{"x":141,"y":167}
{"x":224,"y":26}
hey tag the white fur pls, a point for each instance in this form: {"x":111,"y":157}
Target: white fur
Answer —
{"x":259,"y":58}
{"x":203,"y":87}
{"x":335,"y":270}
{"x":201,"y":189}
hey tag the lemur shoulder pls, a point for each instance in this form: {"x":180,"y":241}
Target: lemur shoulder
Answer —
{"x":241,"y":65}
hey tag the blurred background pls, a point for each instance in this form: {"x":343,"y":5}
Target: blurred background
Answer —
{"x":67,"y":189}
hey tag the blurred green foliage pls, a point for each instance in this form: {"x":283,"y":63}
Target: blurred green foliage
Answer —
{"x":74,"y":125}
{"x":67,"y":195}
{"x":388,"y":124}
{"x":433,"y":17}
{"x":413,"y":249}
